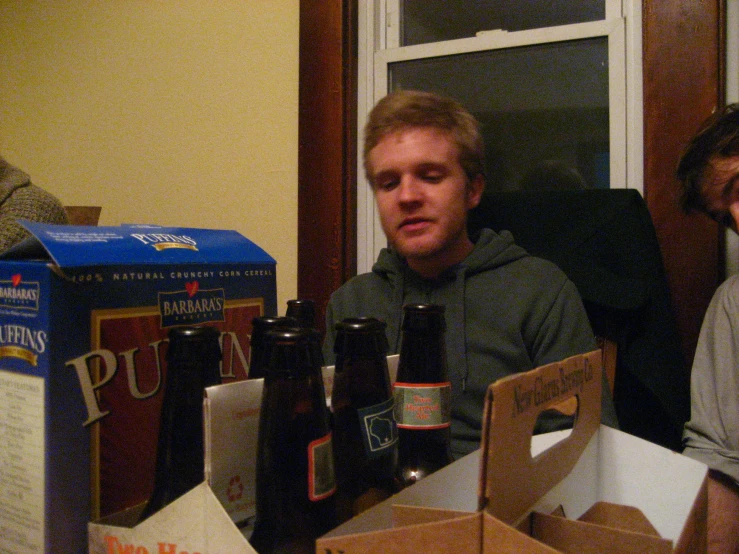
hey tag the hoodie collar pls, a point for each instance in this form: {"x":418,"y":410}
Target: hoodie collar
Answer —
{"x":491,"y":250}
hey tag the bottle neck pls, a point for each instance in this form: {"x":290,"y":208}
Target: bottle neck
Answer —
{"x":422,"y":359}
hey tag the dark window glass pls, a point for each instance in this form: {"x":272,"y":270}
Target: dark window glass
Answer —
{"x":544,"y":109}
{"x":424,"y":21}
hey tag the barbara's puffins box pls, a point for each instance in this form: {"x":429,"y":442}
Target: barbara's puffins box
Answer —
{"x":84,"y":318}
{"x":594,"y":489}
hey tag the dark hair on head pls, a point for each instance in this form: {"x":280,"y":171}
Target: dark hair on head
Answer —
{"x":405,"y":109}
{"x":718,"y":136}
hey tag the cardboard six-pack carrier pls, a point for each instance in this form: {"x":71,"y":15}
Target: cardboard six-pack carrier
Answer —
{"x":592,"y":489}
{"x":84,"y":317}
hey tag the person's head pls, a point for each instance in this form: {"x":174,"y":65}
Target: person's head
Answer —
{"x":709,"y":169}
{"x":424,"y":159}
{"x":405,"y":109}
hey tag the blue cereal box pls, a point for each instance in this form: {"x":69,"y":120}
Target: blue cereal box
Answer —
{"x":84,"y":318}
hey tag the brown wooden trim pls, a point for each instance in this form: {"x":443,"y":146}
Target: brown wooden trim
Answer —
{"x":683,"y":84}
{"x":326,"y":148}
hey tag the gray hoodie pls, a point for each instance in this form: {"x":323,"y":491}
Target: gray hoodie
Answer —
{"x":506,"y":312}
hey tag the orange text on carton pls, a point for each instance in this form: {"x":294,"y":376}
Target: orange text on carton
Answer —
{"x":114,"y":546}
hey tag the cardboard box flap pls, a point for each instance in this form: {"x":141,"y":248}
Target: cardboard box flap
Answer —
{"x":232,"y":410}
{"x":627,"y":518}
{"x":461,"y":535}
{"x":511,"y":480}
{"x":195,"y":522}
{"x":622,"y":469}
{"x":404,"y":515}
{"x":496,"y":536}
{"x":499,"y":538}
{"x":566,"y":535}
{"x":81,"y":246}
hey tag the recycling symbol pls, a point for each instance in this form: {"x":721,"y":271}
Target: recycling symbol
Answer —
{"x":235,"y":489}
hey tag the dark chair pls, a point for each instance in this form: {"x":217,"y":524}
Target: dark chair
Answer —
{"x":604,"y":240}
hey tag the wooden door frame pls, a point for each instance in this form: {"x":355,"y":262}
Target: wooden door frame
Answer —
{"x":327,"y":151}
{"x":684,"y":74}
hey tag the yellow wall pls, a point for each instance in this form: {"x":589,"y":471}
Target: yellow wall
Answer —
{"x":173,"y":112}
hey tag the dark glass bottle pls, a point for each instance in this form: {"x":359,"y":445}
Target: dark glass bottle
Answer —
{"x":295,"y":464}
{"x":259,"y":326}
{"x":304,"y":310}
{"x":423,"y":395}
{"x":193,"y":363}
{"x":365,"y":436}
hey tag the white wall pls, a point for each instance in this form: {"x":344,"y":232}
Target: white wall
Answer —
{"x":173,"y":112}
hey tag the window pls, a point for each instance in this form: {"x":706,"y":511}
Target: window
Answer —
{"x":556,"y":85}
{"x":424,"y":21}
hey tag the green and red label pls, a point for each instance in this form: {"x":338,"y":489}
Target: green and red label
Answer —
{"x":423,"y":406}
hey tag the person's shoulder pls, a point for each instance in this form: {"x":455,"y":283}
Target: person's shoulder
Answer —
{"x":34,"y":191}
{"x":730,"y":285}
{"x":529,"y":280}
{"x":359,"y":285}
{"x":540,"y":263}
{"x":364,"y":294}
{"x":531,"y":267}
{"x":501,"y":248}
{"x":493,"y":250}
{"x":728,"y":290}
{"x":37,"y":204}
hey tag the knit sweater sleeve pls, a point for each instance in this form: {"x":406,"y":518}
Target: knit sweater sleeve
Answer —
{"x":28,"y":202}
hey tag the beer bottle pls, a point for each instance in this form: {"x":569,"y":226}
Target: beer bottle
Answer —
{"x":193,"y":363}
{"x":365,"y":436}
{"x":422,"y":395}
{"x":304,"y":310}
{"x":295,"y":466}
{"x":259,"y":326}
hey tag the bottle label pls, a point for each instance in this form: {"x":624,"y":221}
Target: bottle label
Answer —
{"x":321,"y":476}
{"x":377,"y":425}
{"x":423,"y":406}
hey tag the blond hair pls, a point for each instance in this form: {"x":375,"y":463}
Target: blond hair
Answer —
{"x":404,"y":109}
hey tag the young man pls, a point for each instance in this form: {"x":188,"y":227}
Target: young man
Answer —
{"x":709,"y":173}
{"x":506,"y":311}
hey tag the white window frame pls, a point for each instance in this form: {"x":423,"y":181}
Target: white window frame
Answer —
{"x":378,"y":46}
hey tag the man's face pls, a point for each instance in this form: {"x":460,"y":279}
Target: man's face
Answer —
{"x":423,"y":195}
{"x":721,"y":191}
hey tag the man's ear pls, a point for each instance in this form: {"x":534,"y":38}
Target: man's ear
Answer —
{"x":475,"y":189}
